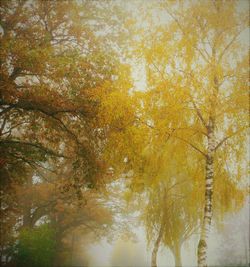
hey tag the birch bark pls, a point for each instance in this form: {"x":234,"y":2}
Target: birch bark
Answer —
{"x":209,"y":179}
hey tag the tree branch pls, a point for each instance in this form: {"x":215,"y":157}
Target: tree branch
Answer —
{"x":229,"y":44}
{"x":184,"y":33}
{"x":51,"y":114}
{"x":38,"y":146}
{"x":192,"y":145}
{"x":199,"y":113}
{"x":227,"y":137}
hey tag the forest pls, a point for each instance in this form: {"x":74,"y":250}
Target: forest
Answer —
{"x":123,"y":133}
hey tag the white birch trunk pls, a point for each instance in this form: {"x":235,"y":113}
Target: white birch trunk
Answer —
{"x":207,"y":217}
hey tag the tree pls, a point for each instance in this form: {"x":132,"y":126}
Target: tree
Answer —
{"x":57,"y":65}
{"x":172,"y":205}
{"x":35,"y":203}
{"x":36,"y":247}
{"x":71,"y":119}
{"x":172,"y":227}
{"x":53,"y":70}
{"x":197,"y":71}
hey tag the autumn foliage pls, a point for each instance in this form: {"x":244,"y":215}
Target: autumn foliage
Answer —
{"x":73,"y":123}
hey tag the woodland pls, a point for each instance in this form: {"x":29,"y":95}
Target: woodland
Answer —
{"x":117,"y":109}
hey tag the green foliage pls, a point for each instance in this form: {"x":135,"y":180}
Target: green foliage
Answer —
{"x":36,"y":247}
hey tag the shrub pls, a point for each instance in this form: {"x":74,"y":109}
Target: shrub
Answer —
{"x":36,"y":247}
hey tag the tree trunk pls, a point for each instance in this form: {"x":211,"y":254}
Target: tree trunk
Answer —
{"x":59,"y":248}
{"x":156,"y":247}
{"x":177,"y":256}
{"x":72,"y":248}
{"x":207,"y":217}
{"x":27,"y":218}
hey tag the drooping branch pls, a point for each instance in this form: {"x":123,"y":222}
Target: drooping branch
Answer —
{"x":229,"y":44}
{"x":175,"y":136}
{"x":51,"y":114}
{"x":9,"y":131}
{"x":34,"y":164}
{"x":185,"y":34}
{"x":227,"y":137}
{"x":193,"y":101}
{"x":192,"y":145}
{"x":29,"y":106}
{"x":35,"y":145}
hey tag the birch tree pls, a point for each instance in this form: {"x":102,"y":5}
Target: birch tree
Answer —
{"x":197,"y":68}
{"x":172,"y":208}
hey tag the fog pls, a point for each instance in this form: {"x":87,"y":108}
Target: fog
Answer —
{"x":123,"y":133}
{"x":228,"y":246}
